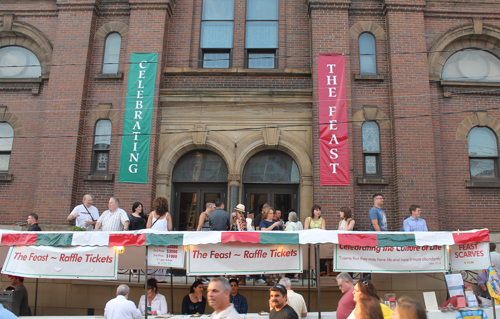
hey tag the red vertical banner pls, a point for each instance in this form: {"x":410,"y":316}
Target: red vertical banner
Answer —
{"x":333,"y":128}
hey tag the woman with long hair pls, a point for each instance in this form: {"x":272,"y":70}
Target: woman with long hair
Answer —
{"x":159,"y":219}
{"x":366,"y":288}
{"x":267,"y":222}
{"x":347,"y":222}
{"x":315,"y":220}
{"x":157,"y":304}
{"x":368,"y":308}
{"x":194,"y":302}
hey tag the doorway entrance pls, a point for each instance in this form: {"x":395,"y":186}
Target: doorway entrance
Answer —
{"x":272,"y":177}
{"x":199,"y":177}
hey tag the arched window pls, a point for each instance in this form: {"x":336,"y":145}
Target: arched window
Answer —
{"x":271,"y":167}
{"x":6,"y":139}
{"x":18,"y":62}
{"x":367,"y":54}
{"x":483,"y":153}
{"x":371,"y":149}
{"x":472,"y":65}
{"x":200,"y":166}
{"x":101,"y":146}
{"x":112,"y":53}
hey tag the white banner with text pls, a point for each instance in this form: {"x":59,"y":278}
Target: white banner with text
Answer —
{"x":470,"y":256}
{"x":62,"y":262}
{"x":390,"y":259}
{"x":166,"y":256}
{"x":242,"y":259}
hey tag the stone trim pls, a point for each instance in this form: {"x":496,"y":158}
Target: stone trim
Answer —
{"x":367,"y":26}
{"x":368,"y":77}
{"x":13,"y":119}
{"x":99,"y":178}
{"x":482,"y":183}
{"x":27,"y":36}
{"x":371,"y":113}
{"x":236,"y":71}
{"x":360,"y":180}
{"x":479,"y":118}
{"x":462,"y":37}
{"x":104,"y":111}
{"x":110,"y":27}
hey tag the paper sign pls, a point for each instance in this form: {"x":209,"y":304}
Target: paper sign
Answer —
{"x":62,"y":262}
{"x":169,"y":256}
{"x":455,"y":284}
{"x":430,"y":300}
{"x":242,"y":259}
{"x":390,"y":259}
{"x":470,"y":256}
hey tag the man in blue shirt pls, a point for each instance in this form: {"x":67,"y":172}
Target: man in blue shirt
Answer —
{"x":239,"y":302}
{"x":378,"y":220}
{"x":414,"y":222}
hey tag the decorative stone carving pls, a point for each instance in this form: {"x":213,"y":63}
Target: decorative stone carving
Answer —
{"x":371,"y":113}
{"x":7,"y":22}
{"x":233,"y":177}
{"x":200,"y":135}
{"x":271,"y":136}
{"x":104,"y":111}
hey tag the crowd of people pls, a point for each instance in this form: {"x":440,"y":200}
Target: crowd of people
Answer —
{"x":360,"y":301}
{"x":215,"y":217}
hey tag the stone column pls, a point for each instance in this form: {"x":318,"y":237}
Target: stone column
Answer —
{"x":234,"y":181}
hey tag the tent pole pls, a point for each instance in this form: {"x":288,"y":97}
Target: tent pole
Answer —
{"x":171,"y":290}
{"x":146,"y":287}
{"x":36,"y":295}
{"x":309,"y":274}
{"x":316,"y":252}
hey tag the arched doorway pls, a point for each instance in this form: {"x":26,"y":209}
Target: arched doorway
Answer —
{"x":271,"y":177}
{"x":198,"y":177}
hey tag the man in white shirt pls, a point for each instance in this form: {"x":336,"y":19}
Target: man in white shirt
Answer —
{"x":294,"y":300}
{"x":114,"y":219}
{"x":120,"y":307}
{"x":218,"y":298}
{"x":85,"y":214}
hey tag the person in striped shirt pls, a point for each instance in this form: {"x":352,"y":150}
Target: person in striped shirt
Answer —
{"x":114,"y":219}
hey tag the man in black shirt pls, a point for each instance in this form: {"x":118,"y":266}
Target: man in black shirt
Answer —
{"x":33,"y":222}
{"x":277,"y":302}
{"x":17,"y":283}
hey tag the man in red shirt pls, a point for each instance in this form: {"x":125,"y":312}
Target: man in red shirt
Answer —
{"x":346,"y":303}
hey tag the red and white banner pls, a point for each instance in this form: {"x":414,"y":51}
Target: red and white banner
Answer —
{"x":333,"y":129}
{"x":62,"y":262}
{"x":470,"y":256}
{"x":243,"y":259}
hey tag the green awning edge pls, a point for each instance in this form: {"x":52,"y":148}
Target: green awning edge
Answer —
{"x":53,"y":239}
{"x":396,"y":240}
{"x":164,"y":239}
{"x":279,"y":238}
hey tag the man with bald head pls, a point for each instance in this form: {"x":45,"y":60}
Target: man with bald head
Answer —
{"x":85,"y":214}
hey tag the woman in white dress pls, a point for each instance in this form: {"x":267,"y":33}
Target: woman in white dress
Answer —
{"x":347,"y":223}
{"x":159,"y":219}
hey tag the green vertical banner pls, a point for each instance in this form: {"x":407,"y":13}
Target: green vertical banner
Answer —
{"x":134,"y":157}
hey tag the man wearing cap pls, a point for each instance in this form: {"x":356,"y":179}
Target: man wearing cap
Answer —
{"x":219,"y":219}
{"x":17,"y":283}
{"x":241,"y":224}
{"x":85,"y":214}
{"x":277,"y":301}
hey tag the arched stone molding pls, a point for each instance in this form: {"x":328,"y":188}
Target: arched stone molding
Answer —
{"x":104,"y":111}
{"x":15,"y":33}
{"x":371,"y":113}
{"x":475,"y":35}
{"x":479,"y":118}
{"x":254,"y":143}
{"x":13,"y":119}
{"x":367,"y":26}
{"x":180,"y":145}
{"x":113,"y":26}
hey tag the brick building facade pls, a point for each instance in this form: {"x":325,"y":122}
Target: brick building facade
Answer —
{"x":236,"y":106}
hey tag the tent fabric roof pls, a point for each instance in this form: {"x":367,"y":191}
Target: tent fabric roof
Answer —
{"x":148,"y":237}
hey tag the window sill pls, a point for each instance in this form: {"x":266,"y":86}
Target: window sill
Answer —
{"x":467,"y":83}
{"x":101,"y":178}
{"x":21,"y":80}
{"x":482,"y":183}
{"x":372,"y":181}
{"x":117,"y":76}
{"x":368,"y":77}
{"x":236,"y":71}
{"x":6,"y":177}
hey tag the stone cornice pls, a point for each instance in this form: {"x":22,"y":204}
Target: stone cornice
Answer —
{"x":153,"y":5}
{"x":235,"y":96}
{"x":236,"y":71}
{"x":328,"y":5}
{"x":73,"y":5}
